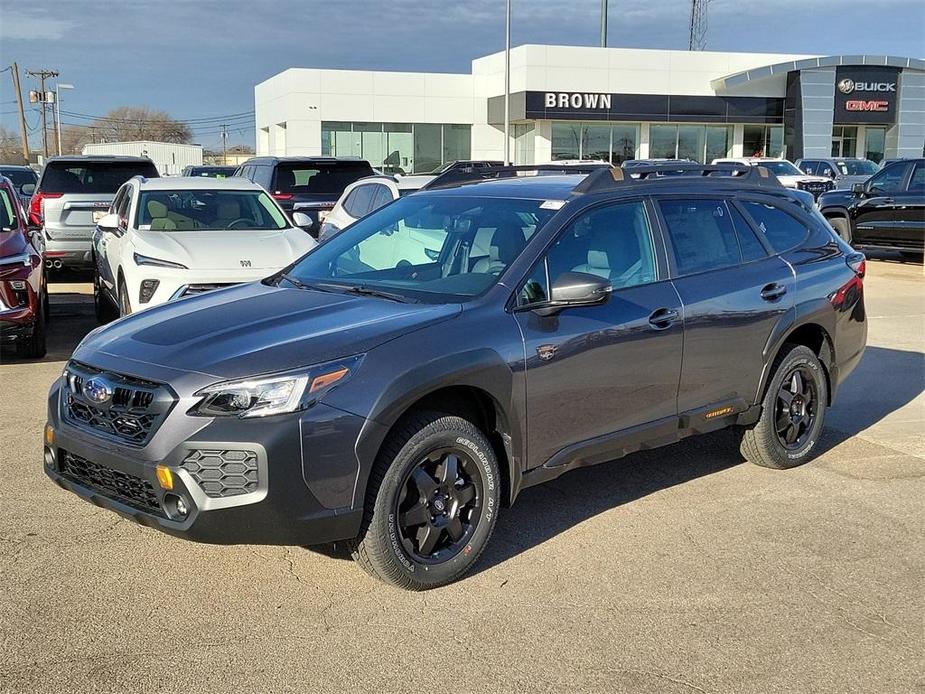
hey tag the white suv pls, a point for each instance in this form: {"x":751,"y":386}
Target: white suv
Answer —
{"x":787,"y":173}
{"x":367,"y":195}
{"x":165,"y":238}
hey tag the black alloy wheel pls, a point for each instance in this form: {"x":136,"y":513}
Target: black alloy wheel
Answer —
{"x":797,"y":401}
{"x":439,"y":505}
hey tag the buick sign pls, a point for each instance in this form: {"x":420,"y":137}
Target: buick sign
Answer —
{"x":97,"y":390}
{"x":847,"y":86}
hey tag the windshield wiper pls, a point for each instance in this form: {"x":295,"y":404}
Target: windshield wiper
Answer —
{"x":291,"y":280}
{"x":366,"y":291}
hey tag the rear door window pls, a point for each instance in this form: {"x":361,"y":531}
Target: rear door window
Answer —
{"x":749,"y":243}
{"x":701,"y":233}
{"x":917,"y":183}
{"x":782,"y":230}
{"x":359,"y":201}
{"x":382,"y":196}
{"x":91,"y":177}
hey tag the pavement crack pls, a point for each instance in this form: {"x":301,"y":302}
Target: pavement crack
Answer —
{"x":662,"y":676}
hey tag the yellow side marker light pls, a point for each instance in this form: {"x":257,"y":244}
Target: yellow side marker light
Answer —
{"x":164,"y":477}
{"x":49,"y":435}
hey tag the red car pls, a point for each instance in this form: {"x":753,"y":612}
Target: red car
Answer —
{"x":23,"y":285}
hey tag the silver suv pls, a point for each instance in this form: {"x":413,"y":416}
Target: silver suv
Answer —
{"x":73,"y":194}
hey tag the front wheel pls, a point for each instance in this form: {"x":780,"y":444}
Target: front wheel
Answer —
{"x":433,"y":499}
{"x":34,"y":347}
{"x":125,"y":304}
{"x":102,"y":306}
{"x":792,"y":412}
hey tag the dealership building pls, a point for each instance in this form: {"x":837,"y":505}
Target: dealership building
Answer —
{"x":571,"y":102}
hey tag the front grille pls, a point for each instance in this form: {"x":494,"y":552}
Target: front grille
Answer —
{"x":129,"y":489}
{"x":223,"y":473}
{"x":130,"y":409}
{"x":817,"y":188}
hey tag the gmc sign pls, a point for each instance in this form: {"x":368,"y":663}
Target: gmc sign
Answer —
{"x":861,"y":105}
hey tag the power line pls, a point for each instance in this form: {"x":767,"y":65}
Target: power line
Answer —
{"x":210,"y":120}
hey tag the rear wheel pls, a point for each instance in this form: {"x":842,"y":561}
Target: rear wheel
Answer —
{"x":432,"y":503}
{"x":792,"y":412}
{"x":913,"y":256}
{"x":842,"y":227}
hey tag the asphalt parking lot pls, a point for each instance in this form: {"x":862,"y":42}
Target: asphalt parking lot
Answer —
{"x":678,"y":570}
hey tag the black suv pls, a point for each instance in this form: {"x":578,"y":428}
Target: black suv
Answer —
{"x":311,"y":185}
{"x":886,"y":211}
{"x":398,"y":385}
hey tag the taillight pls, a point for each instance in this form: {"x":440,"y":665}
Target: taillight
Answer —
{"x":283,"y":196}
{"x":858,"y":263}
{"x":37,"y":207}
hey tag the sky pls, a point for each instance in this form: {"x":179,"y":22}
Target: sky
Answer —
{"x":200,"y":59}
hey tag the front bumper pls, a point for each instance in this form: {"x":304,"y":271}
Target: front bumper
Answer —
{"x":300,"y":494}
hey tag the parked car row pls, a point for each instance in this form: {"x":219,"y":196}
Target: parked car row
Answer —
{"x":398,"y":385}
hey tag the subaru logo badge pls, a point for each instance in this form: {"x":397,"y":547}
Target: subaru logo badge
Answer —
{"x":97,"y":390}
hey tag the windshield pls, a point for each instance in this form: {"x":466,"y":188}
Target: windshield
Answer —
{"x":857,"y":167}
{"x":208,"y":210}
{"x":96,"y":177}
{"x":780,"y":168}
{"x":7,"y":215}
{"x":19,"y":177}
{"x":426,"y":247}
{"x":319,"y":179}
{"x":211,"y":171}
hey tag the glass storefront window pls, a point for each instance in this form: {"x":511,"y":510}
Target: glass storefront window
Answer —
{"x":595,"y":142}
{"x":719,"y":142}
{"x":844,"y":141}
{"x":875,"y":144}
{"x":663,"y":141}
{"x":623,"y":143}
{"x":691,"y":142}
{"x":763,"y":141}
{"x":566,"y":141}
{"x":524,"y":136}
{"x":398,"y":147}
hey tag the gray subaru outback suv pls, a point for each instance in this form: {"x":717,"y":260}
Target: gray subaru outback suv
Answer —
{"x":394,"y":388}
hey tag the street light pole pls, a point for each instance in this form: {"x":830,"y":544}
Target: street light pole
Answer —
{"x":59,"y":86}
{"x":507,"y":86}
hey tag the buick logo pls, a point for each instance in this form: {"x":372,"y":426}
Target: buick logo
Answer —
{"x":846,"y":86}
{"x":97,"y":390}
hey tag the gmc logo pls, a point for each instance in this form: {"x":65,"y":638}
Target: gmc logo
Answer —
{"x":862,"y":105}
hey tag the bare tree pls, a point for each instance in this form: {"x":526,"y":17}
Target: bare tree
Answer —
{"x":126,"y":124}
{"x":10,"y":147}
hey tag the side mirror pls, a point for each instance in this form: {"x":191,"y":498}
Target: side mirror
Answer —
{"x":302,"y":220}
{"x":109,"y":222}
{"x":858,"y":188}
{"x":27,"y":188}
{"x":575,"y":289}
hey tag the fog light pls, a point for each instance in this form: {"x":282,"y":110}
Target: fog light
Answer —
{"x":164,"y":477}
{"x":49,"y":435}
{"x":148,"y":287}
{"x":49,"y":457}
{"x":176,"y":506}
{"x":18,"y":285}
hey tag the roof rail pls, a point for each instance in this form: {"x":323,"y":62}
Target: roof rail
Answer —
{"x":738,"y":174}
{"x":469,"y":174}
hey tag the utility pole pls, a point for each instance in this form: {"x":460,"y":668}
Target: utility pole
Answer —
{"x":22,"y":114}
{"x":43,"y":99}
{"x":507,"y":87}
{"x":698,"y":25}
{"x":603,"y":23}
{"x":224,"y":142}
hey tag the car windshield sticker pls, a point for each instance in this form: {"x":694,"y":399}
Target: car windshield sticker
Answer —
{"x":552,"y":204}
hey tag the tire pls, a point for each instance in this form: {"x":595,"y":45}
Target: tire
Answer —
{"x":35,"y":346}
{"x":768,"y":443}
{"x":912,"y":256}
{"x":102,"y":306}
{"x":125,"y":304}
{"x":842,"y":227}
{"x":405,"y":541}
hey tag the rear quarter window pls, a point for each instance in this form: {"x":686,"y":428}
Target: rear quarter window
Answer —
{"x":782,"y":230}
{"x":95,"y":177}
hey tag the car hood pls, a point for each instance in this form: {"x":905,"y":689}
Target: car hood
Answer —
{"x":226,"y":249}
{"x":12,"y":243}
{"x":252,"y":329}
{"x":794,"y":180}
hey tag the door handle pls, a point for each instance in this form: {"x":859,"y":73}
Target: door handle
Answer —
{"x":662,"y":318}
{"x":773,"y":292}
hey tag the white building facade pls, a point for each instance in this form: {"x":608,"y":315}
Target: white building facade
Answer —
{"x":170,"y":158}
{"x":614,"y":104}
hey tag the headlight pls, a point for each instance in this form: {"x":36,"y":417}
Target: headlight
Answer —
{"x":156,"y":262}
{"x":276,"y":394}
